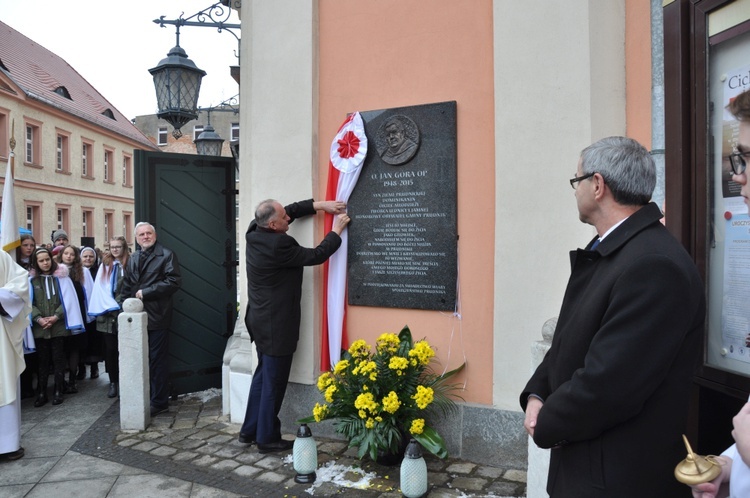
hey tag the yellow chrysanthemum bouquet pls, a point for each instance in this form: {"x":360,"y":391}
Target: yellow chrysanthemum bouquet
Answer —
{"x":379,"y":397}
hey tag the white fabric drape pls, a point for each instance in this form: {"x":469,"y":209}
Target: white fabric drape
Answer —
{"x":349,"y":168}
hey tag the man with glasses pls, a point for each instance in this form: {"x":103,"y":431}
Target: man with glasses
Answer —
{"x":735,"y":473}
{"x":611,"y":396}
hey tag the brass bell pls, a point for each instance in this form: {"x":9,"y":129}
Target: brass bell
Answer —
{"x":696,"y":469}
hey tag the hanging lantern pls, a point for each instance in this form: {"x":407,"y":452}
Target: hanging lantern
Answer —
{"x":413,"y":471}
{"x":305,"y":455}
{"x":177,"y":81}
{"x":208,"y":142}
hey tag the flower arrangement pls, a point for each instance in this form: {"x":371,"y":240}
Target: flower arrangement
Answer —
{"x":378,"y":396}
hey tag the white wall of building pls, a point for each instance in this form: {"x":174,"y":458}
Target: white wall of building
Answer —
{"x":279,"y":133}
{"x":559,"y":86}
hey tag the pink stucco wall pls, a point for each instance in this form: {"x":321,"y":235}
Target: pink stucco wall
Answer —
{"x":638,"y":70}
{"x":393,"y":53}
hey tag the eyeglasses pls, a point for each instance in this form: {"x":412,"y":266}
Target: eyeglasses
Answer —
{"x":738,"y":162}
{"x":115,"y":247}
{"x":577,"y":179}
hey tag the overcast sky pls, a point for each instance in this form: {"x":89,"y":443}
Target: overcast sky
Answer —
{"x":114,"y":44}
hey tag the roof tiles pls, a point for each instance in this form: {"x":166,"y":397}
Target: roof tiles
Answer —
{"x":39,"y":72}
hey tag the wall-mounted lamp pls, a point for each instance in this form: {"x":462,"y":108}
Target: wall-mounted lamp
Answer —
{"x":177,"y":79}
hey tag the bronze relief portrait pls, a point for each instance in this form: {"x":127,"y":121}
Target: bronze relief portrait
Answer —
{"x":397,"y":140}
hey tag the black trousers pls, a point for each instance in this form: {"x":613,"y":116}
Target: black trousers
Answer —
{"x":112,"y":357}
{"x":158,"y":365}
{"x":55,"y":348}
{"x":27,"y":376}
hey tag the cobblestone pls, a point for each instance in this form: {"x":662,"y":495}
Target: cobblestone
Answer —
{"x":194,"y":441}
{"x":184,"y":456}
{"x":271,"y":477}
{"x":145,"y":446}
{"x":164,"y":451}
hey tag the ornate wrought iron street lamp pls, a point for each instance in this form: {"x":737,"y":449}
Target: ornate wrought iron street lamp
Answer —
{"x":177,"y":79}
{"x":208,"y":142}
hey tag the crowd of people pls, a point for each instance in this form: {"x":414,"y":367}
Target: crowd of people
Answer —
{"x":75,"y":303}
{"x":59,"y":306}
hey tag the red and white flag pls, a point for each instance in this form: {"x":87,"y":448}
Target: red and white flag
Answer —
{"x":348,"y":151}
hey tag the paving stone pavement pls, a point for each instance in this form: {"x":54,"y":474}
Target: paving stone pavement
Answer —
{"x":192,"y":451}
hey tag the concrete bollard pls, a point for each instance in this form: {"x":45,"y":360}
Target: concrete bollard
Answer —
{"x":135,"y":404}
{"x":536,"y":477}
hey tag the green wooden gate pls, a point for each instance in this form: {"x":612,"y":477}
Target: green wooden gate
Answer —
{"x":191,"y":200}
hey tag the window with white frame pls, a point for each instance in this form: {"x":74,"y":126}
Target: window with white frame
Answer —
{"x":29,"y":144}
{"x":59,"y":153}
{"x":109,"y":176}
{"x":87,"y":159}
{"x":197,"y":130}
{"x":33,"y":219}
{"x":87,"y":219}
{"x":126,"y":171}
{"x":108,"y":225}
{"x":4,"y":137}
{"x":32,"y":150}
{"x":162,"y":136}
{"x":234,"y":131}
{"x":62,"y":218}
{"x":62,"y":156}
{"x":127,"y":226}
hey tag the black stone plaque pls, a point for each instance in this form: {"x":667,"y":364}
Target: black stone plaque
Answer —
{"x":402,"y":237}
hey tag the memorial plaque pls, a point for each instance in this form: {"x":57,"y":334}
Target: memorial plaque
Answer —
{"x":403,"y":236}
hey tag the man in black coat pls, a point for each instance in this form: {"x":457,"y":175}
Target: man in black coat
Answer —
{"x":611,"y":396}
{"x":275,"y":262}
{"x":153,"y":276}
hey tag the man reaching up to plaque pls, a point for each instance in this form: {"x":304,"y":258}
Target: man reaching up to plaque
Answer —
{"x":274,"y":289}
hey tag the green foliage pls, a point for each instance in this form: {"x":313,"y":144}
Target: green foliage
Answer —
{"x":378,"y":396}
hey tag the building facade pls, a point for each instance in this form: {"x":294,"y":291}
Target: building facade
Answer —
{"x":534,"y":82}
{"x":225,"y":122}
{"x":74,"y":151}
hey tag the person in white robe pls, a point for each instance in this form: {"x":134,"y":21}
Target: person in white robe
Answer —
{"x":16,"y":306}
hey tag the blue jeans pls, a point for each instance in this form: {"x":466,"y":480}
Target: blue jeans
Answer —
{"x":158,"y":366}
{"x":266,"y":395}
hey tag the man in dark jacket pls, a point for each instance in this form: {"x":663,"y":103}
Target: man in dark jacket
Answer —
{"x":153,"y":276}
{"x":611,"y":396}
{"x":275,"y":262}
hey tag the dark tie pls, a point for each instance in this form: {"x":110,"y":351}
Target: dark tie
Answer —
{"x":596,"y":243}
